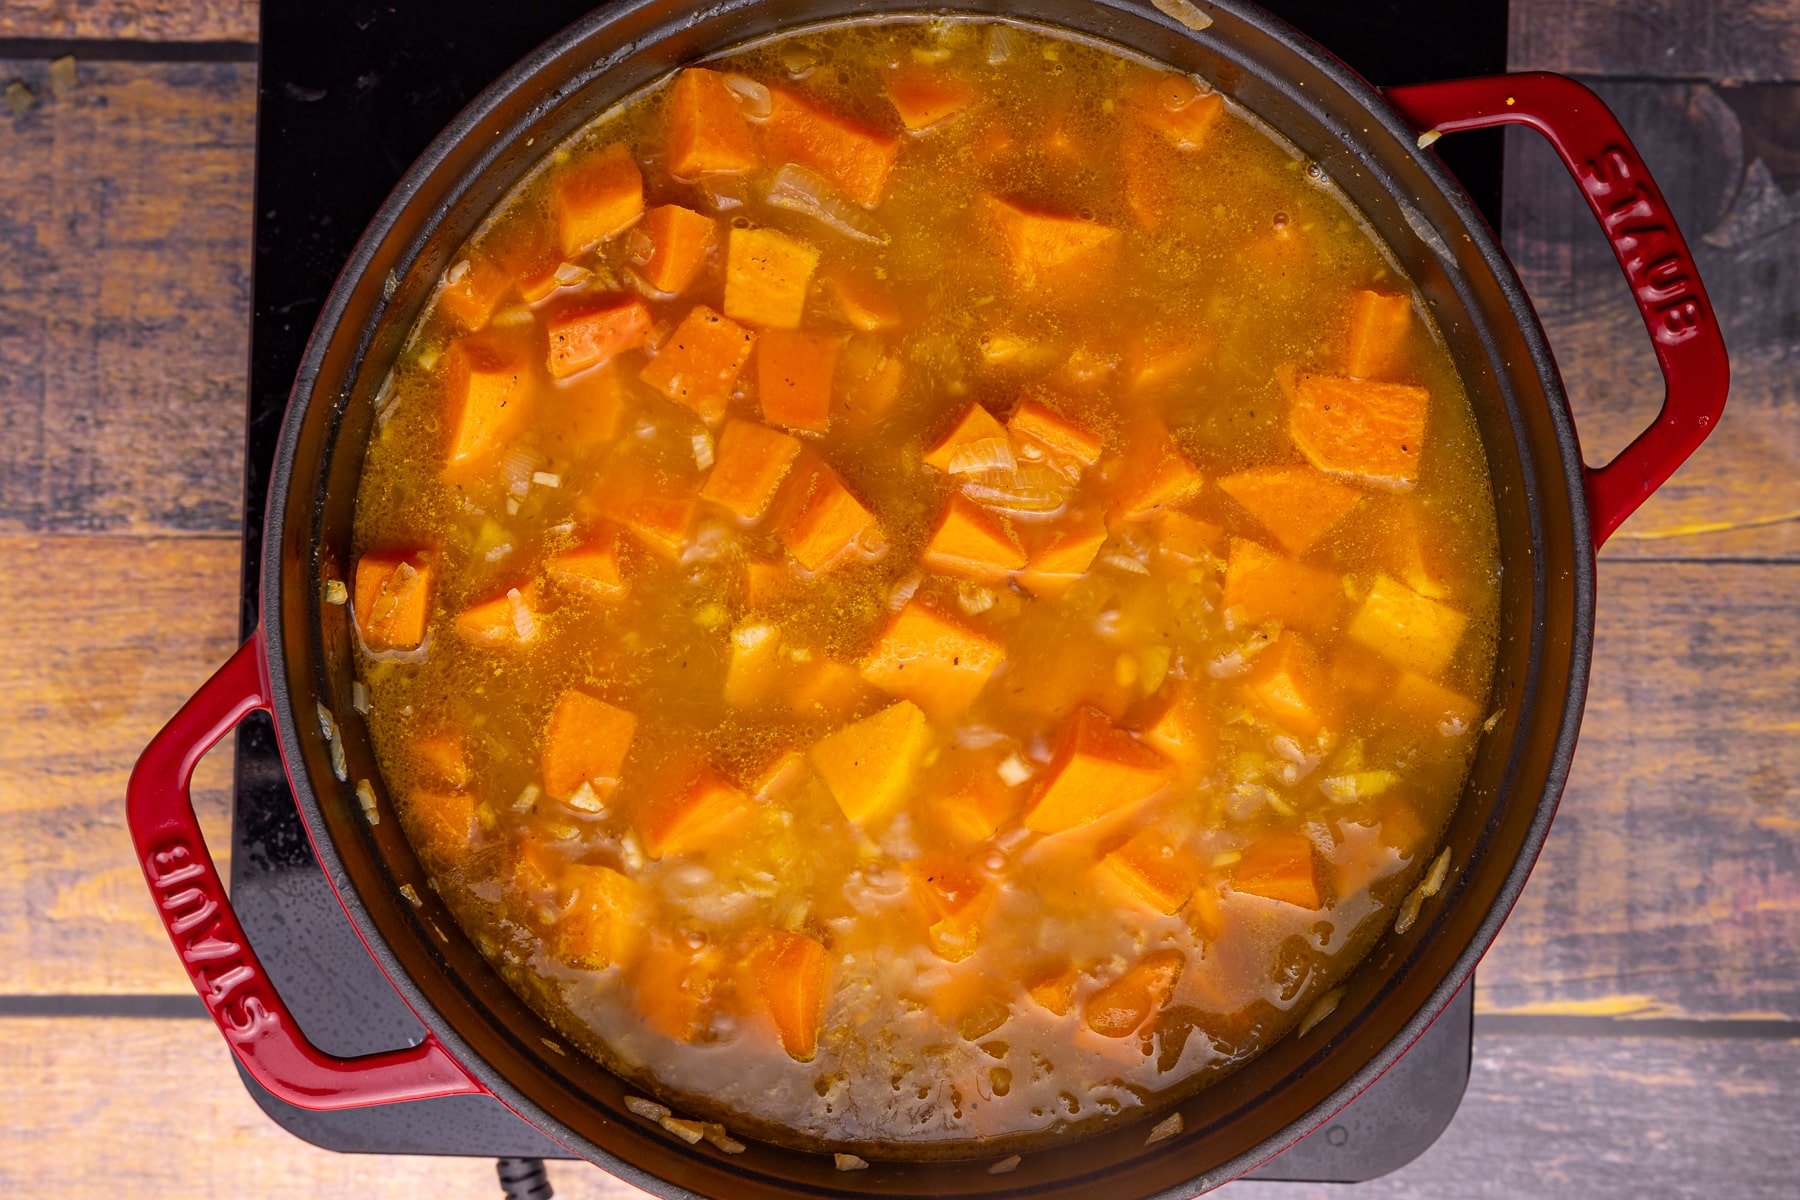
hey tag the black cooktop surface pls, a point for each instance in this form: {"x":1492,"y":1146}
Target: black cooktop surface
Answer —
{"x":349,"y":92}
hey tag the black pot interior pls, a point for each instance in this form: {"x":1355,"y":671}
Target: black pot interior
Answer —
{"x":1547,"y":604}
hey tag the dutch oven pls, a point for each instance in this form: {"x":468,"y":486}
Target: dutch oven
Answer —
{"x":1554,"y":512}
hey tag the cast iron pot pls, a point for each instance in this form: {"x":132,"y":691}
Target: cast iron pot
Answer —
{"x":1553,"y":514}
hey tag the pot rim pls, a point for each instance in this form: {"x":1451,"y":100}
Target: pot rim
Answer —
{"x":471,"y":121}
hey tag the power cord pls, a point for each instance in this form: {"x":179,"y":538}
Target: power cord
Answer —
{"x":524,"y":1179}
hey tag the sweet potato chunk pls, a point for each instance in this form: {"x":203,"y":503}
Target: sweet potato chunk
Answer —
{"x":1037,"y":422}
{"x":972,"y":543}
{"x":584,"y":420}
{"x":923,"y":96}
{"x":1063,"y":555}
{"x":1378,"y":326}
{"x":748,"y":466}
{"x":824,"y":521}
{"x":1407,"y":629}
{"x":973,"y":803}
{"x":822,"y":688}
{"x":753,"y":670}
{"x":975,"y":426}
{"x":1426,"y":700}
{"x":1287,"y":685}
{"x":487,"y":397}
{"x":1179,"y":109}
{"x":1051,"y":254}
{"x":1153,"y":869}
{"x":793,"y":378}
{"x":393,"y":600}
{"x":1095,"y":771}
{"x":442,"y":823}
{"x":1280,"y":866}
{"x":442,"y":761}
{"x":766,"y":582}
{"x":1177,"y":726}
{"x":674,"y":987}
{"x":680,"y":240}
{"x":659,"y":524}
{"x":692,"y":818}
{"x":603,"y":923}
{"x":1054,"y":989}
{"x":593,"y":567}
{"x":767,"y":274}
{"x":869,"y":765}
{"x":1187,"y":539}
{"x":789,"y":971}
{"x":1159,"y":359}
{"x":699,"y":363}
{"x":1298,"y":505}
{"x":1368,"y":431}
{"x":871,"y":378}
{"x":1265,"y":586}
{"x":470,"y":291}
{"x":585,"y":741}
{"x":938,"y":663}
{"x":509,"y":619}
{"x":1157,"y":477}
{"x":853,"y":159}
{"x":861,"y":301}
{"x":589,"y":337}
{"x":707,"y":133}
{"x":598,"y":195}
{"x":1122,"y":1006}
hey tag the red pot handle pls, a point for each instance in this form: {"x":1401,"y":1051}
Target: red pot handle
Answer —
{"x":1649,"y":247}
{"x":193,"y":906}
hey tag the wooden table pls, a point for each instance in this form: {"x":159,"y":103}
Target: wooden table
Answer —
{"x":1639,"y":1022}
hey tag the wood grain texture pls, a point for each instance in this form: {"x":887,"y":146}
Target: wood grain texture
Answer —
{"x":124,"y":300}
{"x":1726,"y":161}
{"x":1544,"y":1116}
{"x":1731,"y":40}
{"x":105,"y":637}
{"x":146,"y":20}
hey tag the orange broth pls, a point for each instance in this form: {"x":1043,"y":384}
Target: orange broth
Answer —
{"x":925,"y":586}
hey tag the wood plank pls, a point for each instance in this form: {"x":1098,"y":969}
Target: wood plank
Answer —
{"x":1670,"y":884}
{"x":1664,"y":39}
{"x":146,"y":20}
{"x":105,"y":637}
{"x":1568,"y":1118}
{"x":1739,"y":496}
{"x":1546,"y":1117}
{"x":124,"y":300}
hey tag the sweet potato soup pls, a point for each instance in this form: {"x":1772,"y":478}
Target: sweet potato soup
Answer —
{"x":923,"y":586}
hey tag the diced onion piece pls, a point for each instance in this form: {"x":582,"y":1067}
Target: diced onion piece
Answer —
{"x":586,"y":799}
{"x":365,"y":796}
{"x":336,"y":592}
{"x":799,"y":190}
{"x":703,"y":450}
{"x":903,"y":591}
{"x":1029,"y":488}
{"x":412,"y":895}
{"x":688,"y":1131}
{"x":340,"y":765}
{"x":524,"y":624}
{"x":1434,"y":878}
{"x":1014,"y":770}
{"x":1324,"y":1007}
{"x":1225,"y":858}
{"x":1168,"y":1127}
{"x":974,"y":599}
{"x":1002,"y":44}
{"x":571,"y":274}
{"x":717,"y":1136}
{"x":983,"y":454}
{"x":752,"y":96}
{"x":327,"y":722}
{"x":549,"y":479}
{"x":650,"y":1110}
{"x":359,"y":696}
{"x":849,"y":1162}
{"x":1357,"y":785}
{"x":1184,"y":11}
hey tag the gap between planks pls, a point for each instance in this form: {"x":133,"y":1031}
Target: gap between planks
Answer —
{"x":128,"y":50}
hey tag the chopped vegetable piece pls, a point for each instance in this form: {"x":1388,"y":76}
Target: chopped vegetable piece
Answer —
{"x":1119,"y":1008}
{"x":974,"y":803}
{"x":1280,"y":866}
{"x":584,"y":422}
{"x":674,"y":988}
{"x":699,"y":363}
{"x":585,"y":741}
{"x":748,"y":466}
{"x":1177,"y":725}
{"x":1154,"y":869}
{"x":1052,"y":253}
{"x":597,"y":195}
{"x":1409,"y":630}
{"x":1378,"y":326}
{"x":693,"y":818}
{"x":975,"y":425}
{"x":1055,"y":989}
{"x":972,"y":543}
{"x":681,"y":241}
{"x":1369,"y":431}
{"x":793,"y":378}
{"x":1298,"y":505}
{"x":442,"y":822}
{"x":442,"y":761}
{"x":393,"y":600}
{"x":1180,"y":110}
{"x":1434,"y":703}
{"x":1157,"y":477}
{"x":778,"y":774}
{"x":861,"y":302}
{"x":938,"y":663}
{"x":603,"y":922}
{"x":823,"y":688}
{"x":1156,"y":361}
{"x":923,"y":96}
{"x":470,"y":291}
{"x":659,"y":523}
{"x":707,"y":132}
{"x":1287,"y":685}
{"x":593,"y":567}
{"x":825,"y":521}
{"x":1063,"y":556}
{"x":1096,"y":771}
{"x":766,"y":582}
{"x":767,"y":274}
{"x":753,"y":670}
{"x":1262,"y":585}
{"x":509,"y":619}
{"x":1416,"y":552}
{"x":872,"y":379}
{"x":1187,"y":539}
{"x":789,"y":972}
{"x":591,"y":336}
{"x":869,"y":766}
{"x":487,"y":401}
{"x":1038,"y":423}
{"x":854,"y":159}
